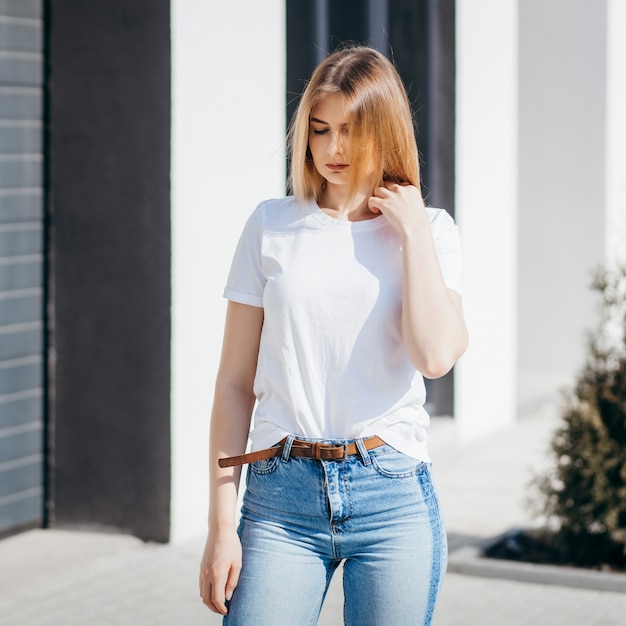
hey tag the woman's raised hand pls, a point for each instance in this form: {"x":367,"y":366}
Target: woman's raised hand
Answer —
{"x":402,"y":205}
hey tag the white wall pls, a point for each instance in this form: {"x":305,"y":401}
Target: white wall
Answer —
{"x":616,"y":133}
{"x":228,"y":128}
{"x":562,"y":188}
{"x":541,"y":175}
{"x":486,"y":210}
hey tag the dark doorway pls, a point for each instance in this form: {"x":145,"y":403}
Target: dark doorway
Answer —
{"x":109,"y":266}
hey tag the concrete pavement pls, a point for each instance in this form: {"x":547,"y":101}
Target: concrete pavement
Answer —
{"x":71,"y":578}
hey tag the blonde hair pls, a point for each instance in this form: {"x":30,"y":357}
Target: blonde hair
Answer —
{"x":382,"y":136}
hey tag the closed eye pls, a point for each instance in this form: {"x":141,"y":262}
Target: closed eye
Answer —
{"x":319,"y":132}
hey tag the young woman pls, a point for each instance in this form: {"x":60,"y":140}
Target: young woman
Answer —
{"x":341,"y":298}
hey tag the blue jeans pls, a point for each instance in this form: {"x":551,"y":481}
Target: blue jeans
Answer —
{"x":376,"y":511}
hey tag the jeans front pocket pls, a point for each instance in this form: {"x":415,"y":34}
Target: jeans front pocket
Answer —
{"x":393,"y":464}
{"x":266,"y":466}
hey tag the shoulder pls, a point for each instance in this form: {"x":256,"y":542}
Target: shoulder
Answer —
{"x":445,"y":231}
{"x":439,"y":218}
{"x":278,"y":214}
{"x":441,"y":222}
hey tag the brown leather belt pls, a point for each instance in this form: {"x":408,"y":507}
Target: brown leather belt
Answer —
{"x":304,"y":449}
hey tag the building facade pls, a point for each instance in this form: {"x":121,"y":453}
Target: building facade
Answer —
{"x":135,"y":139}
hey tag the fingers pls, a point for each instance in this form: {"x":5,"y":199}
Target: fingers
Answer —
{"x":213,"y":599}
{"x":233,"y":579}
{"x":376,"y":203}
{"x":217,"y":599}
{"x":384,"y":192}
{"x":372,"y":204}
{"x":219,"y":570}
{"x":215,"y":594}
{"x":389,"y":188}
{"x":209,"y":592}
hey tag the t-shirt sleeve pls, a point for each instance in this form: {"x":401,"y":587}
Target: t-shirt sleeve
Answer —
{"x":246,"y":280}
{"x":448,"y":246}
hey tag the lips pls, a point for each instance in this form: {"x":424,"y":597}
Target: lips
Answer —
{"x":337,"y":167}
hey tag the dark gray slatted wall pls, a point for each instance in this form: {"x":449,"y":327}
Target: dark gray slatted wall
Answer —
{"x":21,"y":264}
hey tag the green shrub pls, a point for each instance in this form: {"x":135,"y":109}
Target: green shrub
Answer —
{"x":583,"y":495}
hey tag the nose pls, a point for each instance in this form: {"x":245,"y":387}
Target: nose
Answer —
{"x":336,"y":144}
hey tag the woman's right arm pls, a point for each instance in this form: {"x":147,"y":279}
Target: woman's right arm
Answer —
{"x":230,"y":423}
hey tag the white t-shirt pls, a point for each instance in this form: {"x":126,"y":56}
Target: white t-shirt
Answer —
{"x":332,"y":363}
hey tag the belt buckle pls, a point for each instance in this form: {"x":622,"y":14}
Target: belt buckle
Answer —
{"x":317,"y":448}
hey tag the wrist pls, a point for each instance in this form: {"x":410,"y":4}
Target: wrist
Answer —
{"x":222,"y":521}
{"x":222,"y":526}
{"x":414,"y":233}
{"x":417,"y":224}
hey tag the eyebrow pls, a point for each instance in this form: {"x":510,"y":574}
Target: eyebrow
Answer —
{"x":319,"y":121}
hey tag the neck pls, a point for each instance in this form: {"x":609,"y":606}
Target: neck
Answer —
{"x":335,"y":201}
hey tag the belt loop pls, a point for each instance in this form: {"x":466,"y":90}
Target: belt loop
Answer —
{"x":316,"y":450}
{"x":365,"y":455}
{"x":287,"y":448}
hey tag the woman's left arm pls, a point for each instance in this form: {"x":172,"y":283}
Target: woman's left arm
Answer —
{"x":433,"y":327}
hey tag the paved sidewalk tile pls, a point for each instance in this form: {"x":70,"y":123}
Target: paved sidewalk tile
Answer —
{"x":469,"y":601}
{"x":56,"y":578}
{"x":76,"y":579}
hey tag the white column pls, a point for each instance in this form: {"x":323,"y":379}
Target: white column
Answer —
{"x":486,"y":209}
{"x":562,"y":196}
{"x":616,"y":133}
{"x":228,"y":154}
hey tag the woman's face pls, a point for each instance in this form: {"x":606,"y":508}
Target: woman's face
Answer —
{"x":329,"y":139}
